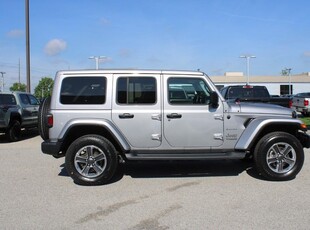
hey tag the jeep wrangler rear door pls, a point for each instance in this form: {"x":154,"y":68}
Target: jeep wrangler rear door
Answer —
{"x":189,"y":119}
{"x":137,"y":109}
{"x":30,"y":107}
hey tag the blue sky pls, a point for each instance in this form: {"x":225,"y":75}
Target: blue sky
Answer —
{"x":164,"y":34}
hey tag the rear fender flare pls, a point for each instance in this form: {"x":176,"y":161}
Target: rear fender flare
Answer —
{"x":100,"y":123}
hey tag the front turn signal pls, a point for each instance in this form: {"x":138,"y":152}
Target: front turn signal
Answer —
{"x":303,"y":127}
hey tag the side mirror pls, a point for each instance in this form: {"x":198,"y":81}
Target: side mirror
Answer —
{"x":214,"y":99}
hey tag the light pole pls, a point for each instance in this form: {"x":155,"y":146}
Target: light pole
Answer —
{"x":97,"y":58}
{"x":2,"y":81}
{"x":27,"y":46}
{"x":288,"y":70}
{"x":248,"y":57}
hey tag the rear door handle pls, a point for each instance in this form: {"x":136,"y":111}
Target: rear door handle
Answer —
{"x":126,"y":116}
{"x":174,"y":116}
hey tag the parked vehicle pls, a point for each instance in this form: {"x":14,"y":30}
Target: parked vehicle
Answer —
{"x":17,"y":110}
{"x":254,"y":93}
{"x":98,"y":118}
{"x":301,"y":103}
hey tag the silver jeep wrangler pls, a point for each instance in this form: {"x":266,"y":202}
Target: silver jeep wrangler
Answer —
{"x":99,"y":118}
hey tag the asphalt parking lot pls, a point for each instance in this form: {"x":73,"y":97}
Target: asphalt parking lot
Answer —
{"x":37,"y":193}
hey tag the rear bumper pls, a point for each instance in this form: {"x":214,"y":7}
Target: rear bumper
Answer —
{"x":52,"y":148}
{"x":301,"y":109}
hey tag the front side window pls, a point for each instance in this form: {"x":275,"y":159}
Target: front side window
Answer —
{"x":33,"y":100}
{"x":24,"y":98}
{"x":83,"y":90}
{"x":188,"y":91}
{"x":136,"y":90}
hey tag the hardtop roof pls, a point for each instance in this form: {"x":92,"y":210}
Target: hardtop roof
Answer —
{"x":128,"y":71}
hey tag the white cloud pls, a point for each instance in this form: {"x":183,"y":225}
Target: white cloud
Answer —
{"x":306,"y":54}
{"x":104,"y":21}
{"x":55,"y":46}
{"x":124,"y":53}
{"x":15,"y":33}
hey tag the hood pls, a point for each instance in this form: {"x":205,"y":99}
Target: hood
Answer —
{"x":260,"y":108}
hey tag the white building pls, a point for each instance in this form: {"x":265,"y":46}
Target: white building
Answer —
{"x":277,"y":85}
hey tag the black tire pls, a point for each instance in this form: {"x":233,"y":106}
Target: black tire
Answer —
{"x":279,"y":156}
{"x":42,"y":118}
{"x":13,"y":132}
{"x":91,"y":160}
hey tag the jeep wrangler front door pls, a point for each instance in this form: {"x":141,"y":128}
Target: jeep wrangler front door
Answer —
{"x":189,"y":119}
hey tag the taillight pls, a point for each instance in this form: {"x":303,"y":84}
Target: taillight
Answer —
{"x":50,"y":120}
{"x":306,"y":102}
{"x":290,"y":104}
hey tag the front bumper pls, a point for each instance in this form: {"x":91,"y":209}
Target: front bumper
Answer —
{"x":52,"y":148}
{"x":304,"y":139}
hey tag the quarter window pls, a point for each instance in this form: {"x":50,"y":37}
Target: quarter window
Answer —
{"x":83,"y":90}
{"x":136,"y":90}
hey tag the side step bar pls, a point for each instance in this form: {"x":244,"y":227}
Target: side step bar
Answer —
{"x":184,"y":156}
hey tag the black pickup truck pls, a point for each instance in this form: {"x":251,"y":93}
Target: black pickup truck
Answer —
{"x":255,"y":93}
{"x":17,"y":110}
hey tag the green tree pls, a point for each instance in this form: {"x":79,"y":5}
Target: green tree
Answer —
{"x":18,"y":87}
{"x":286,"y":72}
{"x":44,"y":88}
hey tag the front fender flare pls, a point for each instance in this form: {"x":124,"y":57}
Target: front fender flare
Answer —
{"x":256,"y":126}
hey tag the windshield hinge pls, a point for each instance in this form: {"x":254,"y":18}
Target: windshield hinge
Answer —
{"x":218,"y":136}
{"x":218,"y":117}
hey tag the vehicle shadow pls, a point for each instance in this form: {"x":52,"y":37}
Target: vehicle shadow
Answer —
{"x":175,"y":169}
{"x":25,"y":134}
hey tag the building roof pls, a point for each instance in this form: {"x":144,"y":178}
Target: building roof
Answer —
{"x":239,"y":77}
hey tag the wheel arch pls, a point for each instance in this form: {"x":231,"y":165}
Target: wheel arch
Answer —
{"x":104,"y":129}
{"x":14,"y":116}
{"x":259,"y":128}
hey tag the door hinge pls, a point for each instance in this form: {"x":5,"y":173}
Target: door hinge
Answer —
{"x":156,"y":117}
{"x":156,"y":137}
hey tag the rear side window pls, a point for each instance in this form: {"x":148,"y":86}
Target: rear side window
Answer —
{"x":7,"y":99}
{"x":136,"y":90}
{"x":83,"y":90}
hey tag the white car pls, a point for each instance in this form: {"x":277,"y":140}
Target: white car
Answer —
{"x":301,"y":103}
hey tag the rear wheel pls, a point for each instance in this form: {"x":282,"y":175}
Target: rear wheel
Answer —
{"x":14,"y":131}
{"x":91,"y":160}
{"x":279,"y":156}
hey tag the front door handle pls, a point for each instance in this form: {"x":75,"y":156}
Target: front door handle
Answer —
{"x":174,"y":116}
{"x":126,"y":116}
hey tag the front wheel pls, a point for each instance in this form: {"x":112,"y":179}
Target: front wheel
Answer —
{"x":279,"y":156}
{"x":91,"y":160}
